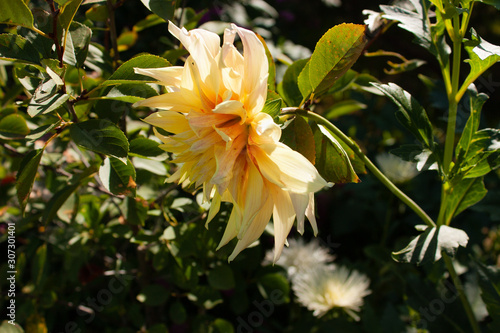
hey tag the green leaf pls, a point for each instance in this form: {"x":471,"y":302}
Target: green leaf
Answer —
{"x":273,"y":107}
{"x":38,"y":265}
{"x":26,"y":176}
{"x":428,"y":246}
{"x":274,"y":286}
{"x":494,"y":3}
{"x":336,"y":52}
{"x":299,"y":136}
{"x":489,"y":282}
{"x":17,"y":48}
{"x":130,"y":93}
{"x":16,"y":12}
{"x":221,"y":277}
{"x":143,"y":147}
{"x":464,"y":193}
{"x":418,"y":24}
{"x":153,"y":295}
{"x":77,"y":44}
{"x":98,"y":13}
{"x":46,"y":98}
{"x":483,"y":154}
{"x":472,"y":125}
{"x":222,"y":326}
{"x":150,"y":21}
{"x":126,"y":40}
{"x":68,"y":10}
{"x":410,"y":114}
{"x":41,"y":131}
{"x":289,"y":87}
{"x":126,"y":73}
{"x":7,"y":327}
{"x":162,"y":8}
{"x":482,"y":56}
{"x":343,"y":108}
{"x":101,"y":136}
{"x":205,"y":296}
{"x":56,"y":202}
{"x":332,"y":161}
{"x":13,"y":126}
{"x":136,"y":211}
{"x":118,"y":177}
{"x":177,"y":312}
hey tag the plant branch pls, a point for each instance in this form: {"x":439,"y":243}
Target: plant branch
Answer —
{"x":369,"y":164}
{"x":461,"y":293}
{"x":112,"y":32}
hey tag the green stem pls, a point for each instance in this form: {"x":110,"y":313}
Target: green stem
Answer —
{"x":461,"y":293}
{"x":369,"y":164}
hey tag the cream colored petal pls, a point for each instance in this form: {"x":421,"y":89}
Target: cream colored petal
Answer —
{"x":300,"y":202}
{"x":226,"y":161}
{"x":214,"y":208}
{"x":254,"y":196}
{"x":233,"y":225}
{"x":255,"y":60}
{"x":207,"y":66}
{"x":296,"y":172}
{"x":232,"y":107}
{"x":256,"y":99}
{"x":170,"y":121}
{"x":210,"y":39}
{"x":175,"y":101}
{"x":311,"y":215}
{"x":264,"y":130}
{"x":255,"y":229}
{"x":167,"y":76}
{"x":283,"y":217}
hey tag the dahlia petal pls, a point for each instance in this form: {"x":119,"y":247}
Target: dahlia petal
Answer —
{"x":255,"y":59}
{"x":214,"y":208}
{"x":210,"y":40}
{"x":300,"y":202}
{"x":255,"y":229}
{"x":172,"y":101}
{"x":254,"y":196}
{"x":233,"y":225}
{"x":264,"y":130}
{"x":283,"y":217}
{"x":170,"y":121}
{"x":310,"y":214}
{"x":296,"y":172}
{"x":167,"y":76}
{"x":232,"y":107}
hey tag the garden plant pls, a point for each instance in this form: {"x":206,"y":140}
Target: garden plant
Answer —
{"x":189,"y":166}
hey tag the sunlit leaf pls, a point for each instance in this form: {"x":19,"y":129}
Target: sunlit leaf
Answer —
{"x":332,"y":161}
{"x":47,"y":98}
{"x":343,"y":108}
{"x":13,"y":126}
{"x":482,"y":56}
{"x":41,"y":131}
{"x":144,"y":147}
{"x":299,"y":136}
{"x":26,"y":176}
{"x":273,"y":107}
{"x":428,"y":246}
{"x":465,"y":193}
{"x":118,"y":177}
{"x":336,"y":52}
{"x":17,"y":48}
{"x":410,"y":113}
{"x":289,"y":87}
{"x":16,"y":12}
{"x":162,"y":8}
{"x":101,"y":136}
{"x":125,"y":73}
{"x":150,"y":21}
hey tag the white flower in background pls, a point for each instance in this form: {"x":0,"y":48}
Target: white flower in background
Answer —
{"x":301,"y":257}
{"x":321,"y":289}
{"x":395,"y":168}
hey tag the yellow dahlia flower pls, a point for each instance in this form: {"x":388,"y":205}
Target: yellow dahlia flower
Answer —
{"x":222,"y":141}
